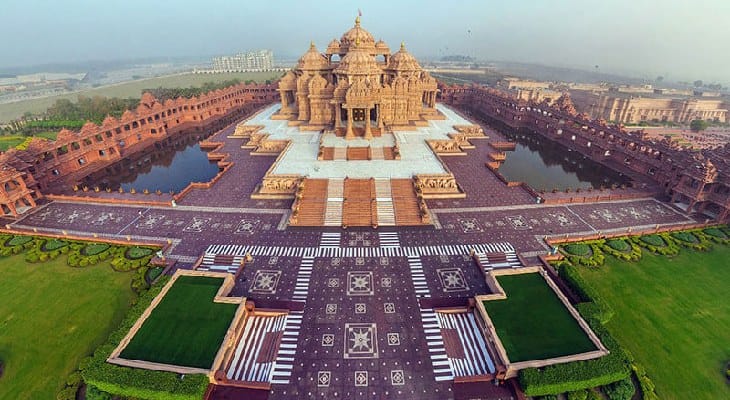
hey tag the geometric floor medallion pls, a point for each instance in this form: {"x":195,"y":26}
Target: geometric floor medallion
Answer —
{"x":361,"y":341}
{"x":265,"y":281}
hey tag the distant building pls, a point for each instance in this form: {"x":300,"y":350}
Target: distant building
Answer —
{"x":632,"y":108}
{"x":261,"y":60}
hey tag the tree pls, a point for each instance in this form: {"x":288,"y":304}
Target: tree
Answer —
{"x":621,"y":390}
{"x":698,"y":125}
{"x":698,"y":83}
{"x":659,"y":78}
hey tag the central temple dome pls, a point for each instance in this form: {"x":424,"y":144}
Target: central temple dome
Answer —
{"x":355,"y":35}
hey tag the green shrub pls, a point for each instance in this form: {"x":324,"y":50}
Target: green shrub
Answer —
{"x":153,"y":273}
{"x":68,"y":393}
{"x":578,"y":395}
{"x":83,"y":263}
{"x":54,"y":244}
{"x":32,"y":257}
{"x":74,"y":379}
{"x":92,"y":393}
{"x":593,"y":395}
{"x":578,"y":249}
{"x":549,"y":397}
{"x":654,"y":240}
{"x":715,"y":232}
{"x":685,"y":237}
{"x":134,"y":253}
{"x":621,"y":390}
{"x":94,"y":249}
{"x":646,"y":385}
{"x":619,"y":245}
{"x":18,"y":240}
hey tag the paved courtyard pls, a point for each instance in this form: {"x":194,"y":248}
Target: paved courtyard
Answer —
{"x":361,"y":300}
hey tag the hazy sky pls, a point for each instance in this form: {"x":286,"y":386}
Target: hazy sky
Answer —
{"x":680,"y":39}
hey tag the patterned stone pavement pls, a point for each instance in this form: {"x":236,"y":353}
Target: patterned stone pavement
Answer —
{"x":362,"y":299}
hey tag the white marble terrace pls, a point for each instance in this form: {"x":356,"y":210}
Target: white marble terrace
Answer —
{"x":301,"y":157}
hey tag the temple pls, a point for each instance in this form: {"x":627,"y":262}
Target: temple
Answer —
{"x":357,"y":85}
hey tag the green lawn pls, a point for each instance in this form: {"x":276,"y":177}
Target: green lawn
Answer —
{"x":51,"y":316}
{"x":532,"y":322}
{"x":673,"y":314}
{"x":186,"y":328}
{"x":133,"y":89}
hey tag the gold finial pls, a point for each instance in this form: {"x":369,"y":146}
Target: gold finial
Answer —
{"x":357,"y":21}
{"x":403,"y":46}
{"x":311,"y":44}
{"x":357,"y":41}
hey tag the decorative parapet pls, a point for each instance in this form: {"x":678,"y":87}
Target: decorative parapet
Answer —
{"x":245,"y":131}
{"x":277,"y":187}
{"x":471,"y":131}
{"x":438,"y":186}
{"x":446,"y":147}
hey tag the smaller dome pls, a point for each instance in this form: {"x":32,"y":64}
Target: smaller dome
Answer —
{"x":312,"y":59}
{"x":403,"y":60}
{"x":334,"y":45}
{"x":381,"y":45}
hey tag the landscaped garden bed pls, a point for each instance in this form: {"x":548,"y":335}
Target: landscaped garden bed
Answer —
{"x":103,"y":377}
{"x":187,"y":307}
{"x":532,"y":322}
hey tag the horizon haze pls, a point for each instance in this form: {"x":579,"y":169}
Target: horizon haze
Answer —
{"x":675,"y":39}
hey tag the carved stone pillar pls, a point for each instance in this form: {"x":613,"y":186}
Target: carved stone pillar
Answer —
{"x":349,"y":134}
{"x":368,"y":131}
{"x":338,"y":116}
{"x":380,"y":117}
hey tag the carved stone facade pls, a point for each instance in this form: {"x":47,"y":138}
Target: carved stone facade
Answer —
{"x":357,"y":83}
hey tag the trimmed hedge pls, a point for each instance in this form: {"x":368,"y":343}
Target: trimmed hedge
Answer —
{"x":578,"y":249}
{"x":18,"y":241}
{"x":654,"y":240}
{"x":619,"y":245}
{"x":134,"y":382}
{"x":685,"y":236}
{"x":578,"y":375}
{"x":658,"y":243}
{"x":621,"y":390}
{"x":135,"y":253}
{"x":623,"y":249}
{"x":599,"y":308}
{"x":93,"y":249}
{"x":715,"y":232}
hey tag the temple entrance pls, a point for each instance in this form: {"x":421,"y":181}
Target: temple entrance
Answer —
{"x":358,"y":114}
{"x":374,"y":114}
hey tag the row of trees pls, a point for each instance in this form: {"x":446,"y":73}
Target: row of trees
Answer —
{"x":163,"y":94}
{"x":65,"y":113}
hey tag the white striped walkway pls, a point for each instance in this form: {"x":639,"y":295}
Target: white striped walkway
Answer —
{"x":285,"y":358}
{"x":329,"y":239}
{"x":244,"y":365}
{"x":476,"y":359}
{"x":418,"y":277}
{"x":389,"y":239}
{"x":442,"y":369}
{"x":285,"y":251}
{"x":301,"y":289}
